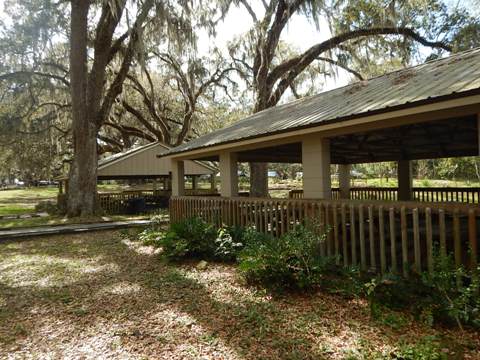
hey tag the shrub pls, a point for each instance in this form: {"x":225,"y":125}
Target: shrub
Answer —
{"x":150,"y":237}
{"x":435,"y":297}
{"x":228,"y":243}
{"x":189,"y":238}
{"x":293,"y":261}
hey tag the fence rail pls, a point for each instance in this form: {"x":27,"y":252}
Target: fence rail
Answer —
{"x":428,"y":194}
{"x":374,"y":235}
{"x":118,"y":203}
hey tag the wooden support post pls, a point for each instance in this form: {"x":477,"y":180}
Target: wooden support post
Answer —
{"x":194,"y":182}
{"x":213,"y":185}
{"x":178,"y":178}
{"x":316,"y":168}
{"x":228,"y":174}
{"x":344,"y":180}
{"x":60,"y":186}
{"x":405,"y":182}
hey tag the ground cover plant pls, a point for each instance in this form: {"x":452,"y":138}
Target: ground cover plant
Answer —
{"x":82,"y":295}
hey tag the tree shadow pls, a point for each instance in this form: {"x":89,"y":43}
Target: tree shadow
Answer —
{"x":82,"y":281}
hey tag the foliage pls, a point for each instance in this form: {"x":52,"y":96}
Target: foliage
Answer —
{"x":229,"y":242}
{"x":448,"y":295}
{"x":293,"y":261}
{"x":191,"y":237}
{"x":426,"y":349}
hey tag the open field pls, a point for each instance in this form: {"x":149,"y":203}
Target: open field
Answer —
{"x":21,"y":201}
{"x":99,"y":295}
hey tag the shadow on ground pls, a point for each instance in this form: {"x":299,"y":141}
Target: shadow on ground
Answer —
{"x":96,"y":293}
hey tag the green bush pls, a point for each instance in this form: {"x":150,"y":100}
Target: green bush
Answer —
{"x":192,"y":238}
{"x":293,"y":261}
{"x":435,"y":297}
{"x":151,"y":237}
{"x":228,"y":243}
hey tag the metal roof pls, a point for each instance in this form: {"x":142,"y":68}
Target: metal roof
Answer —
{"x":458,"y":75}
{"x":122,"y":156}
{"x":108,"y":159}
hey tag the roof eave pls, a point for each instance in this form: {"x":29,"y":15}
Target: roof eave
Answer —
{"x":385,"y":110}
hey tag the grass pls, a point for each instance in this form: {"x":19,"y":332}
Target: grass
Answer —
{"x":102,"y":295}
{"x":23,"y":201}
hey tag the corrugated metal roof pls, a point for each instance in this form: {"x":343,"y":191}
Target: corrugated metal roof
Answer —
{"x":106,"y":161}
{"x":456,"y":74}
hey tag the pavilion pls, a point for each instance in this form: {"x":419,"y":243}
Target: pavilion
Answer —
{"x":140,"y":163}
{"x":427,"y":111}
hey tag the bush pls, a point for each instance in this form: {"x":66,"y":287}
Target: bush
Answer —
{"x":189,"y":238}
{"x":293,"y":261}
{"x":436,"y":297}
{"x":228,"y":243}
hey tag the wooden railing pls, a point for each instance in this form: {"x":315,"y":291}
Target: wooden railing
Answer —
{"x":117,"y":203}
{"x":447,"y":194}
{"x":428,"y":194}
{"x":380,"y":236}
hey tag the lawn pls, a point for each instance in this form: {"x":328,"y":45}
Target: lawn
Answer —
{"x":21,"y":201}
{"x":99,"y":295}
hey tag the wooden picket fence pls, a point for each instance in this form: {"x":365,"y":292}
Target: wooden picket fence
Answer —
{"x":117,"y":203}
{"x":374,"y":235}
{"x":427,"y":194}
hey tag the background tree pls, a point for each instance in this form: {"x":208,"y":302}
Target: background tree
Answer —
{"x":361,"y":33}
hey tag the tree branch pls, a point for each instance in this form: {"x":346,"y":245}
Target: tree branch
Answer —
{"x":289,"y":69}
{"x":16,"y":74}
{"x":343,"y":66}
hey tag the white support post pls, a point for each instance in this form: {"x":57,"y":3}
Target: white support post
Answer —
{"x":154,"y":184}
{"x":178,"y":178}
{"x":316,"y":168}
{"x":228,"y":174}
{"x":405,"y":181}
{"x":344,"y":180}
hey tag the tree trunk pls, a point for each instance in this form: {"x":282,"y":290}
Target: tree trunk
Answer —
{"x":259,"y":179}
{"x":259,"y":171}
{"x":82,"y":194}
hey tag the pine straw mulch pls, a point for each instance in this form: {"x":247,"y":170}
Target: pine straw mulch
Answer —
{"x":96,"y":295}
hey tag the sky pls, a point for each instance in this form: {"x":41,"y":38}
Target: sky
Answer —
{"x":299,"y":32}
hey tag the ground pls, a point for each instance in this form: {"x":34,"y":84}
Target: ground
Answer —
{"x":23,"y":201}
{"x":101,"y":295}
